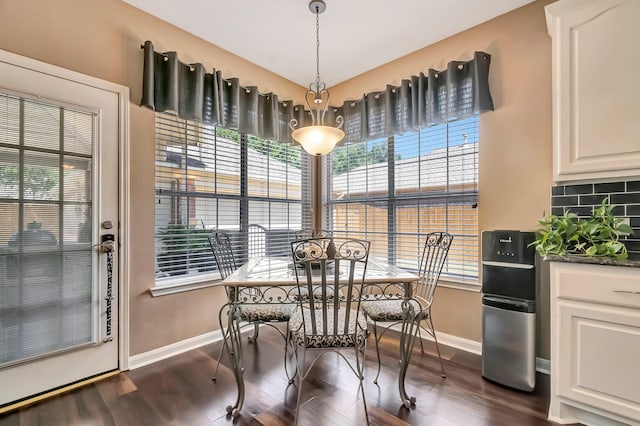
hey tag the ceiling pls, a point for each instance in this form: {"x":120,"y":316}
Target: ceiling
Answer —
{"x":355,"y":35}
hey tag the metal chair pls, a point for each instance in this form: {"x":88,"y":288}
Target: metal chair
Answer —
{"x":252,"y":313}
{"x":331,"y":320}
{"x":436,"y":249}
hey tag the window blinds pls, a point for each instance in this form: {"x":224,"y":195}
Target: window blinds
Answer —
{"x":209,"y":178}
{"x":394,"y":190}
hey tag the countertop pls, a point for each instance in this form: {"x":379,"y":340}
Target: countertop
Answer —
{"x":633,"y":262}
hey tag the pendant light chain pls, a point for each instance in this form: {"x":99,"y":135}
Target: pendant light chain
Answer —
{"x":317,"y":50}
{"x":317,"y":138}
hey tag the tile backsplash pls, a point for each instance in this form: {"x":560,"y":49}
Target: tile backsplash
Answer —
{"x":582,"y":198}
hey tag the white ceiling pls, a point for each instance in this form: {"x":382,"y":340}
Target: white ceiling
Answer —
{"x":355,"y":35}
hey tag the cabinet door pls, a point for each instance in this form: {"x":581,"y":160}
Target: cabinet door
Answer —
{"x":596,"y":98}
{"x":598,"y":356}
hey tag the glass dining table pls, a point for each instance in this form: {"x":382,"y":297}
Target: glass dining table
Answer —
{"x":273,"y":280}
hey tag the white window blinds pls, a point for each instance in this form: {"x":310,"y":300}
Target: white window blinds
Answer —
{"x":394,"y":190}
{"x":210,"y":178}
{"x":46,"y":257}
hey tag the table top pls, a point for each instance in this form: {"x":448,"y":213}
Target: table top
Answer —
{"x":279,"y":271}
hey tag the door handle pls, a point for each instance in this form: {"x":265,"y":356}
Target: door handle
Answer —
{"x":627,"y":291}
{"x":107,"y":243}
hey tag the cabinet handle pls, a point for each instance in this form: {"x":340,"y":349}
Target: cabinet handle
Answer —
{"x":627,"y":291}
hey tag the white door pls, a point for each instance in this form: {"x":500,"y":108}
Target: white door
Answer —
{"x":58,"y":192}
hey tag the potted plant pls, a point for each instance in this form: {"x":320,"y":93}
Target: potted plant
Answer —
{"x":185,"y":247}
{"x":568,"y":234}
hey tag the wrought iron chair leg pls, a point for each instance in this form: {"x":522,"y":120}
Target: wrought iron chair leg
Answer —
{"x":300,"y":363}
{"x":360,"y":369}
{"x":289,"y":353}
{"x":420,"y":337}
{"x":375,"y":338}
{"x":256,"y":331}
{"x":435,"y":339}
{"x":225,"y":344}
{"x":407,"y":337}
{"x":235,"y":343}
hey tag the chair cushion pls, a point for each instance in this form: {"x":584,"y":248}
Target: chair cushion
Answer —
{"x":357,"y":334}
{"x":390,"y":310}
{"x":268,"y":312}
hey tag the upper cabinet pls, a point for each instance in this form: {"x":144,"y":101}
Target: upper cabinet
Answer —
{"x":596,"y":88}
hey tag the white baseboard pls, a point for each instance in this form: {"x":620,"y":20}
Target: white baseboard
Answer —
{"x":542,"y":365}
{"x":146,"y":358}
{"x":461,"y":343}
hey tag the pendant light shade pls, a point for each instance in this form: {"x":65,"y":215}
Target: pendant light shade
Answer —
{"x":317,"y":139}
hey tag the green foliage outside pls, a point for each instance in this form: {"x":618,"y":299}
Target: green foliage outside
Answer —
{"x":37,"y":180}
{"x":345,"y":159}
{"x":569,"y":235}
{"x":280,"y":151}
{"x":180,"y":238}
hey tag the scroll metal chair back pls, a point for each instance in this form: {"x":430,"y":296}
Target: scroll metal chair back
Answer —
{"x":434,"y":255}
{"x":333,"y":270}
{"x":222,"y":253}
{"x":255,"y":313}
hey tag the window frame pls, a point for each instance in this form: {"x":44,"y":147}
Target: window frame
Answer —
{"x":393,"y":199}
{"x":244,"y":196}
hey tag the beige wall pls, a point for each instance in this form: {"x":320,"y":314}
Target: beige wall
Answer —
{"x":515,"y":139}
{"x":102,"y":38}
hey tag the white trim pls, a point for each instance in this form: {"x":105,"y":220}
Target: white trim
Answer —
{"x":542,"y":365}
{"x":461,"y":343}
{"x":180,"y":286}
{"x":124,"y":199}
{"x":124,"y":176}
{"x":473,"y":286}
{"x":164,"y":352}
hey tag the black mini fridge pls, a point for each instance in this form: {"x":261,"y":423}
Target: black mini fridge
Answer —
{"x":509,"y":308}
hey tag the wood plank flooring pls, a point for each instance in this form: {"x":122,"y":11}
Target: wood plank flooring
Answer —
{"x":179,"y":391}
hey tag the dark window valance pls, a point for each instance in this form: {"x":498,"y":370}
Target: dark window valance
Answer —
{"x":420,"y":101}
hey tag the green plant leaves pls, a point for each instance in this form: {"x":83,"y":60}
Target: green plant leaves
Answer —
{"x":570,"y":235}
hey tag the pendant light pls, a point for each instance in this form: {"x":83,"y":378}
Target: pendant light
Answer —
{"x":317,"y":139}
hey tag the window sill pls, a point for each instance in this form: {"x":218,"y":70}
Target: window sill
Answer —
{"x":167,"y":286}
{"x":473,"y":286}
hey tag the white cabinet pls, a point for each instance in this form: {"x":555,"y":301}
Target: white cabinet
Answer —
{"x":595,"y":344}
{"x":596,"y":92}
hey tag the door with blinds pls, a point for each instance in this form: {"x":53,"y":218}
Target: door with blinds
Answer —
{"x":58,"y":234}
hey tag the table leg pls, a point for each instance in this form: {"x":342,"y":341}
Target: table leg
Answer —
{"x":407,"y":337}
{"x":235,"y":343}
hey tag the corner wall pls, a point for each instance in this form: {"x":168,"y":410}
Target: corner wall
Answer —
{"x":515,"y":139}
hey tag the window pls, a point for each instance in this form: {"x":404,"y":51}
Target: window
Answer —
{"x":394,"y":190}
{"x":209,"y":178}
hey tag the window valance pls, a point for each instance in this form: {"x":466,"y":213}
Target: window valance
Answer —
{"x":420,"y":101}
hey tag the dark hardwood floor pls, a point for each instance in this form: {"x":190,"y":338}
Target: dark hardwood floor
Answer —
{"x":179,"y":391}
